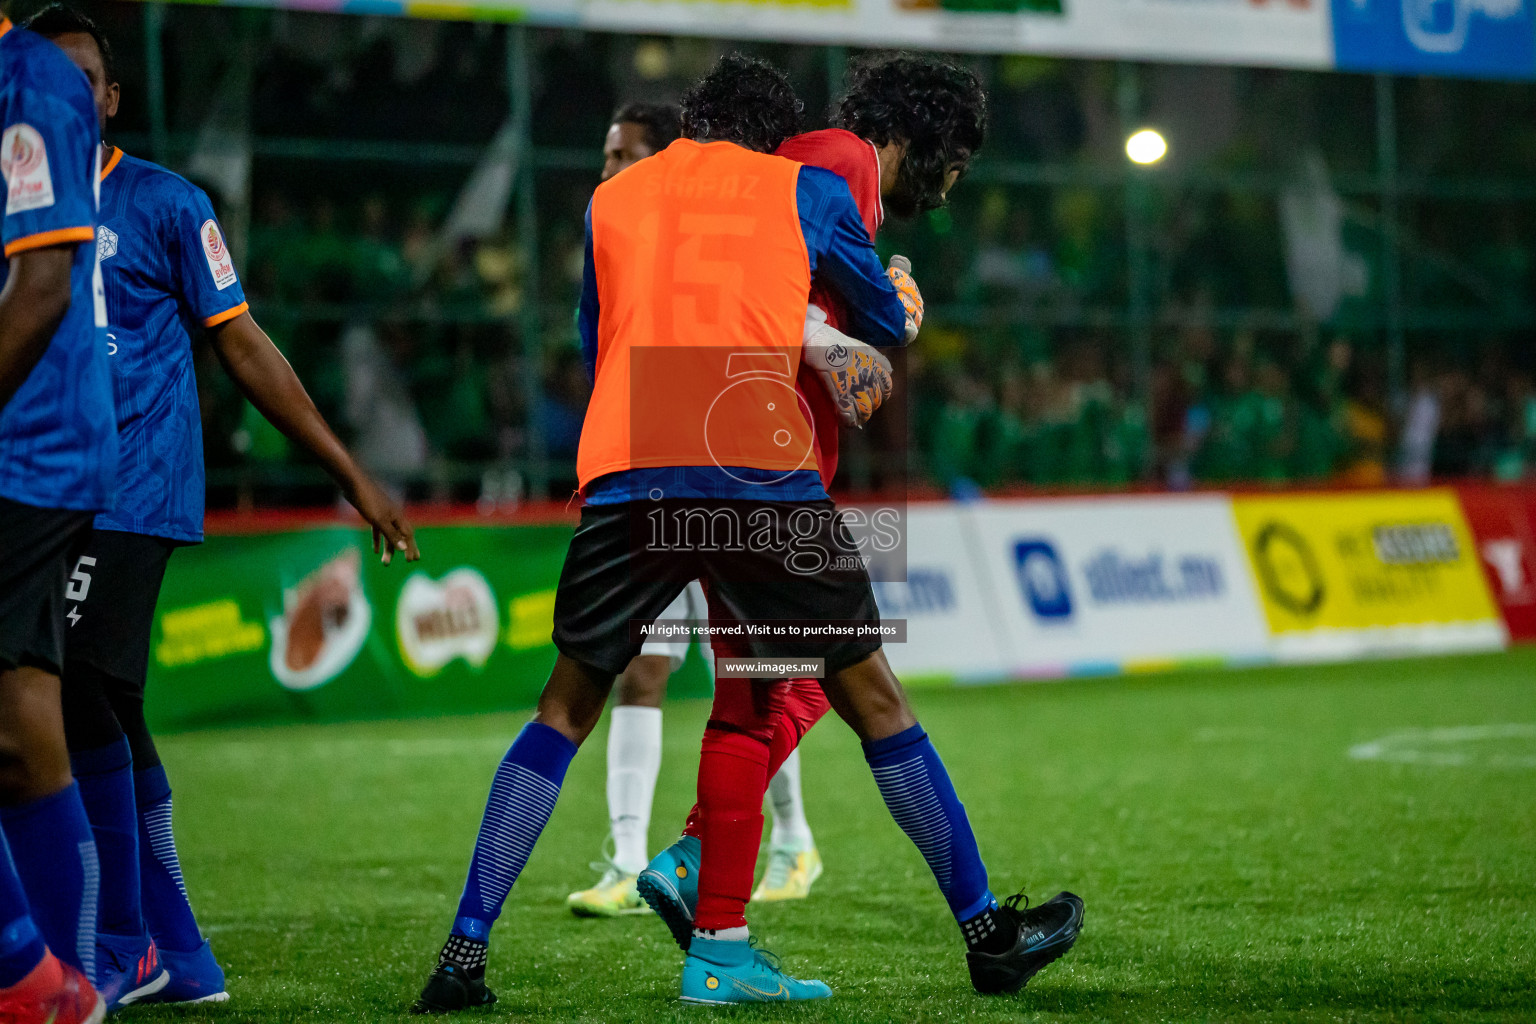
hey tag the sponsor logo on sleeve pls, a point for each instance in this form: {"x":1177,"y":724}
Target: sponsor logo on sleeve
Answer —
{"x":24,"y":162}
{"x":220,"y":265}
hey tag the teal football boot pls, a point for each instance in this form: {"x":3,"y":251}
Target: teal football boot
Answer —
{"x":670,"y":884}
{"x":719,"y":973}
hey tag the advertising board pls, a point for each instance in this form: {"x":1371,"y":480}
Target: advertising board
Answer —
{"x":1095,"y":586}
{"x":1503,"y":520}
{"x":1460,"y":38}
{"x":1293,"y":33}
{"x":953,"y":632}
{"x":1290,"y":34}
{"x":1482,"y":38}
{"x":1346,"y":575}
{"x":302,"y":625}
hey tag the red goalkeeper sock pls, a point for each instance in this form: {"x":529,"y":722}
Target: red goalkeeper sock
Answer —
{"x":733,"y":775}
{"x":780,"y":747}
{"x":801,"y":705}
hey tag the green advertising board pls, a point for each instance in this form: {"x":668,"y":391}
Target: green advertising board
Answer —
{"x":306,"y":625}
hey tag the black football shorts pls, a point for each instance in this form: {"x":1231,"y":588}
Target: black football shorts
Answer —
{"x":763,"y":563}
{"x":38,"y":550}
{"x":110,"y":613}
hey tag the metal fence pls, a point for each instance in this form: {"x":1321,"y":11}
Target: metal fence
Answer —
{"x":1318,"y":257}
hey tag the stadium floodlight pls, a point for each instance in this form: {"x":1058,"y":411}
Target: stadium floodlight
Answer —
{"x":1146,"y":146}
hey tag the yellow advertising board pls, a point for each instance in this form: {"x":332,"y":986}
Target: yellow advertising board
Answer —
{"x":1337,"y":573}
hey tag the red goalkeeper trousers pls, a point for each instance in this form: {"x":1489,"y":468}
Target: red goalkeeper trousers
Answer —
{"x":753,"y":726}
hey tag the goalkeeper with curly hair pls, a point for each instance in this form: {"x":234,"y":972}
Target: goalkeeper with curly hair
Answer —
{"x":714,"y":211}
{"x":907,"y":129}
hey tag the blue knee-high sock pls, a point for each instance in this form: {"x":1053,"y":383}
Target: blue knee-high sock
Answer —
{"x":55,"y":858}
{"x":522,"y":798}
{"x":21,"y":944}
{"x":167,"y":914}
{"x":921,"y":798}
{"x":105,"y":776}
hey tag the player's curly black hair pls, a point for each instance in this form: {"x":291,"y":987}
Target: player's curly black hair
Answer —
{"x":658,"y":120}
{"x":56,"y":20}
{"x":937,"y":108}
{"x":742,"y":100}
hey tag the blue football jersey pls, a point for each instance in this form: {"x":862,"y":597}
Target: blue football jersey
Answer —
{"x":167,"y":271}
{"x":58,"y":434}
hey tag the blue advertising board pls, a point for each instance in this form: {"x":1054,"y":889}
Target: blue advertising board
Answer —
{"x":1464,"y":38}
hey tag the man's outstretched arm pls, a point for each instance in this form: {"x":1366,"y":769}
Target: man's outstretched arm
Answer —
{"x":266,"y":378}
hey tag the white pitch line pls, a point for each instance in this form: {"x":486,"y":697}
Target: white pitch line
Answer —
{"x":1409,"y":747}
{"x":358,"y":748}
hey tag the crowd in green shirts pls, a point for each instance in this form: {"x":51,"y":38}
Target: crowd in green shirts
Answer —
{"x":1222,"y":413}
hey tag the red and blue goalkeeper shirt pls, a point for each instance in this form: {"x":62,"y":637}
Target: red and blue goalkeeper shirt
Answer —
{"x":856,"y":162}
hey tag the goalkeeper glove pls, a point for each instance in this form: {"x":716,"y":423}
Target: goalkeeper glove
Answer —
{"x":900,"y":273}
{"x":856,"y":375}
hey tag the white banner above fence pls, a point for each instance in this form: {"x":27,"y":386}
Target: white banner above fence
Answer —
{"x":1199,"y":31}
{"x":1470,"y":38}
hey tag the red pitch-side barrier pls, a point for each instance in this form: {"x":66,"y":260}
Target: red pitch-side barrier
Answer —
{"x":1503,"y":519}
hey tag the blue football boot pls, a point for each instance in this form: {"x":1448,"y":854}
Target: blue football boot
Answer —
{"x":670,"y":884}
{"x":196,"y":977}
{"x":128,"y":970}
{"x":718,"y":973}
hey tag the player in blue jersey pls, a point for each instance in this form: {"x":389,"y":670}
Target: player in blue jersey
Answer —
{"x":58,"y":460}
{"x":167,"y":273}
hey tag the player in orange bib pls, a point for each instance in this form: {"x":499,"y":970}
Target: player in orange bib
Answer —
{"x":913,"y":179}
{"x":697,"y":460}
{"x":892,"y":99}
{"x":638,"y":131}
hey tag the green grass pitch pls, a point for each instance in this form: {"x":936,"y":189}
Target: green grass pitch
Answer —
{"x":1238,"y":864}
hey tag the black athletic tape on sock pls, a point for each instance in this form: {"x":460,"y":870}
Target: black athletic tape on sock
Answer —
{"x":984,"y":933}
{"x":469,"y":954}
